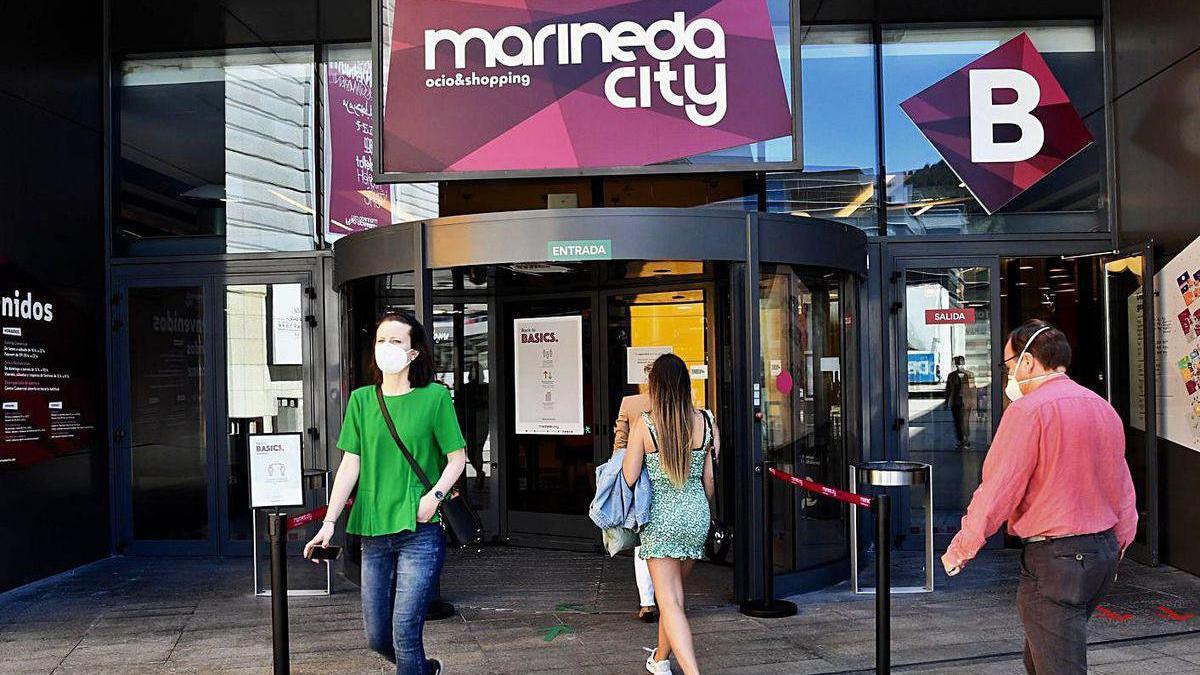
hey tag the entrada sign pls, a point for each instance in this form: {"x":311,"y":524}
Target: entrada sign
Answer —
{"x":589,"y":249}
{"x":971,"y":117}
{"x":963,"y":315}
{"x":510,"y":85}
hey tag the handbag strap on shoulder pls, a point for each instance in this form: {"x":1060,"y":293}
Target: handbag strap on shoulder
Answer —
{"x":387,"y":417}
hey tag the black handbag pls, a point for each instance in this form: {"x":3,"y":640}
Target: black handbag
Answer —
{"x":720,"y":536}
{"x":461,"y":523}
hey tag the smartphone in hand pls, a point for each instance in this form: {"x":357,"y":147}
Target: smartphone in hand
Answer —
{"x":325,"y":553}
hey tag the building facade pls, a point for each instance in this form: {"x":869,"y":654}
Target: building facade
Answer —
{"x":841,"y":290}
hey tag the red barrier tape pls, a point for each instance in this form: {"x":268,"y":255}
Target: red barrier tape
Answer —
{"x":306,"y":518}
{"x":840,"y":495}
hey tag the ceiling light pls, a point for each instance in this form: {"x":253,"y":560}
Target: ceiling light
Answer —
{"x":1026,"y":267}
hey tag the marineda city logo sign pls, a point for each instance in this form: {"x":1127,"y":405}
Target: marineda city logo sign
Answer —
{"x":518,"y":85}
{"x":1002,"y":122}
{"x":622,"y":43}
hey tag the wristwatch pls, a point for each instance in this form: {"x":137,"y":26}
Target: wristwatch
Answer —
{"x":439,"y":495}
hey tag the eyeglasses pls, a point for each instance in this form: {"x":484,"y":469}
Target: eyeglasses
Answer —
{"x":1003,"y":365}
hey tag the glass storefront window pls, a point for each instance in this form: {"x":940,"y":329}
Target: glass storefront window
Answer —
{"x":352,"y":199}
{"x":924,"y":196}
{"x":837,"y":74}
{"x":216,"y":153}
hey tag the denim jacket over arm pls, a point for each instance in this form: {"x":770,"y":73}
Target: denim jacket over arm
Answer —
{"x":616,"y":504}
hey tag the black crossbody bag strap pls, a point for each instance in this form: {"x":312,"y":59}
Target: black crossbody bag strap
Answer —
{"x":712,"y":444}
{"x":459,"y":520}
{"x":387,"y":417}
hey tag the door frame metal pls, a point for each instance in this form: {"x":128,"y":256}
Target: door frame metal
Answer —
{"x":121,"y":420}
{"x":212,"y":276}
{"x":1144,"y":552}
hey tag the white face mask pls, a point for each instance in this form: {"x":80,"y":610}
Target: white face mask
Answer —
{"x":1013,"y":389}
{"x":390,"y":358}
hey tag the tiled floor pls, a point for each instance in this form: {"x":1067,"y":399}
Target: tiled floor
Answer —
{"x":526,"y":610}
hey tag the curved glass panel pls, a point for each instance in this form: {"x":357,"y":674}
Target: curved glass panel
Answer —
{"x":803,"y":425}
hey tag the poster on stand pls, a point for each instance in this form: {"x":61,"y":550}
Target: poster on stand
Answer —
{"x":276,"y":471}
{"x":548,"y":362}
{"x":1177,"y":333}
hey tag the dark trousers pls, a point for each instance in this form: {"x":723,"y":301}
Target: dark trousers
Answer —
{"x":1062,"y":581}
{"x":962,"y":423}
{"x":399,"y":579}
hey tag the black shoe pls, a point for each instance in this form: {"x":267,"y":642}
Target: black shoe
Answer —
{"x":436,"y":665}
{"x":648,"y":614}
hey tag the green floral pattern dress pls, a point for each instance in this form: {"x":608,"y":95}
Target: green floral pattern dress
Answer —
{"x":679,"y":516}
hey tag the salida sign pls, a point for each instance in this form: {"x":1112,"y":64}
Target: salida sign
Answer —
{"x":963,"y":315}
{"x":491,"y":85}
{"x":1002,"y":122}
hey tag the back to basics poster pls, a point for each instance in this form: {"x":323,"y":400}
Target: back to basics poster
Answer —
{"x":548,"y":362}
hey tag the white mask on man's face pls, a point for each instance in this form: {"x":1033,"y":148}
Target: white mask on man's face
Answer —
{"x":1013,"y":389}
{"x":390,"y":358}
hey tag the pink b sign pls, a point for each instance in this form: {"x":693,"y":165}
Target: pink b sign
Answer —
{"x":521,"y":85}
{"x":1001,"y":122}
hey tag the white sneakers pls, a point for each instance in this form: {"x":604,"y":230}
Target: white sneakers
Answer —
{"x":655,"y":666}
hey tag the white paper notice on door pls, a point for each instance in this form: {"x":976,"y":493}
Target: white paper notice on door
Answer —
{"x":276,"y":471}
{"x":638,"y":361}
{"x":548,"y":375}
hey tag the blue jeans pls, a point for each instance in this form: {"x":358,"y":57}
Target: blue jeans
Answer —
{"x":399,"y":579}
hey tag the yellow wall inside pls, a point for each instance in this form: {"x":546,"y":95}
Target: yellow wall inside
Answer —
{"x":663,"y":319}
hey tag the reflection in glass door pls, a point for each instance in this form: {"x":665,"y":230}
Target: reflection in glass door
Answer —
{"x":264,"y":382}
{"x":803,"y":433}
{"x":460,"y":337}
{"x":168,"y":459}
{"x":947,"y":399}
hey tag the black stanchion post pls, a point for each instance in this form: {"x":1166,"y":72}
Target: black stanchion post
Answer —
{"x":768,"y":607}
{"x":276,"y":533}
{"x":883,"y":585}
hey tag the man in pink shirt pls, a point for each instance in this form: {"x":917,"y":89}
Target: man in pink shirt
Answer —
{"x":1056,"y":472}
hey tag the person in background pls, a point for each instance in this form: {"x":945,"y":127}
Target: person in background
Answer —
{"x":632,"y":408}
{"x":960,"y":398}
{"x":672,"y":441}
{"x":1056,"y":472}
{"x":403,"y":546}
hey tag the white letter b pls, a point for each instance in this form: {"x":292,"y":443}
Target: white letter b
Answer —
{"x":985,"y":115}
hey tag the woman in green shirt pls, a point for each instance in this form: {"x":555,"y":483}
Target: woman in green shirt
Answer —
{"x":403,"y":547}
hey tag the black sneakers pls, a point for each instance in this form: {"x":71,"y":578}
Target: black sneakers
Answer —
{"x":437,"y":666}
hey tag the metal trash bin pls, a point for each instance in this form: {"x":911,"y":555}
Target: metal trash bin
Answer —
{"x":892,"y":473}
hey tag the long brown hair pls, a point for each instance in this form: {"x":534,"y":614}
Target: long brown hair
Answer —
{"x":672,"y":411}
